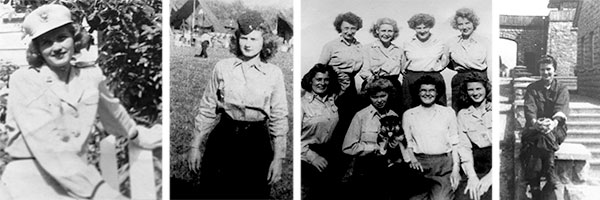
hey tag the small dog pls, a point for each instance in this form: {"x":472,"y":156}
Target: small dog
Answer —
{"x":390,"y":131}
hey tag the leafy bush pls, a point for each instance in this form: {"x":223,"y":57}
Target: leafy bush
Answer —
{"x":130,"y":45}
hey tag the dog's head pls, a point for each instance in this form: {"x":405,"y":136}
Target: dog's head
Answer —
{"x":390,"y":127}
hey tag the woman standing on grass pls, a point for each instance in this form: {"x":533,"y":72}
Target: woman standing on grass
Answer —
{"x":52,"y":110}
{"x":243,"y":112}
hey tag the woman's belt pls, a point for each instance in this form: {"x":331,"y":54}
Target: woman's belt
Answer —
{"x":411,"y":71}
{"x":242,"y":125}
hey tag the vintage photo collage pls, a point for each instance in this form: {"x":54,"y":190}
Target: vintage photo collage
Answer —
{"x":300,"y":99}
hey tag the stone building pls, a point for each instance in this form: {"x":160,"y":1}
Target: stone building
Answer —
{"x":587,"y":21}
{"x":538,"y":35}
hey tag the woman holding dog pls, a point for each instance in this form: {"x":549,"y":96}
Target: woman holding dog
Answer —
{"x":52,"y":110}
{"x":319,"y":118}
{"x":375,"y":140}
{"x":243,"y":116}
{"x":475,"y":135}
{"x":362,"y":142}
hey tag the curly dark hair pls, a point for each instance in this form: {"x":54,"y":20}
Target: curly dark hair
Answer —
{"x":421,"y":18}
{"x":463,"y":95}
{"x":334,"y":85}
{"x":547,"y":59}
{"x":81,"y":40}
{"x":379,"y":85}
{"x":269,"y":47}
{"x":382,"y":21}
{"x":468,"y":14}
{"x":440,"y":88}
{"x":347,"y":17}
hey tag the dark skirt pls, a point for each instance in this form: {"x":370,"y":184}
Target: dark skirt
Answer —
{"x":236,"y":162}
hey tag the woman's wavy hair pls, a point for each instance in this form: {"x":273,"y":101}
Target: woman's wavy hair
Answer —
{"x":347,"y":17}
{"x":421,"y":18}
{"x":468,"y":14}
{"x":440,"y":88}
{"x":81,"y":38}
{"x":379,"y":85}
{"x":463,"y":96}
{"x":382,"y":21}
{"x":334,"y":85}
{"x":269,"y":47}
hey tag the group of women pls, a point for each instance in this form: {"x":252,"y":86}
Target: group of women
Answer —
{"x":342,"y":147}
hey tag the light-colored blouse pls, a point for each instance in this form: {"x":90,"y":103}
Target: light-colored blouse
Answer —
{"x":319,"y":118}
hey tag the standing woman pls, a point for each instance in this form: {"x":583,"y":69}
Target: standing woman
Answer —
{"x":319,"y":118}
{"x":385,"y":59}
{"x":468,"y":53}
{"x":345,"y":55}
{"x":52,"y":109}
{"x":475,"y":135}
{"x":243,"y":112}
{"x":425,"y":55}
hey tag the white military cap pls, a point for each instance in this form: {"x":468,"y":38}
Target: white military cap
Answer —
{"x":46,"y":18}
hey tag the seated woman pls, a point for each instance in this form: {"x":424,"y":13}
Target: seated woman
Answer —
{"x":475,"y":135}
{"x":367,"y":144}
{"x":319,"y":118}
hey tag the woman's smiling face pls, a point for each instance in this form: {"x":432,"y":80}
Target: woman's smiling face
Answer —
{"x":57,"y":47}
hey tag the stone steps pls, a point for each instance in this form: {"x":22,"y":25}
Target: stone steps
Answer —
{"x":584,"y":117}
{"x":584,"y":125}
{"x":585,"y":110}
{"x":589,"y":143}
{"x":583,"y":133}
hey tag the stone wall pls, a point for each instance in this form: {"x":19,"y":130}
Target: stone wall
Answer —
{"x":562,"y":41}
{"x":529,"y":40}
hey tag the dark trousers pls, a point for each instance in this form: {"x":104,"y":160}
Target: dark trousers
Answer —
{"x":457,"y":81}
{"x":410,"y":91}
{"x":482,"y":158}
{"x":437,"y":169}
{"x":374,"y":179}
{"x":236,"y":161}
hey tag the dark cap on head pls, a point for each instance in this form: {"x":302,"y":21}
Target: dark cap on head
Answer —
{"x":249,"y":21}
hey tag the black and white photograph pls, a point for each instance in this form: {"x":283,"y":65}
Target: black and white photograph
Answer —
{"x":549,"y":103}
{"x":80,"y":99}
{"x":396,"y":94}
{"x":231,"y":99}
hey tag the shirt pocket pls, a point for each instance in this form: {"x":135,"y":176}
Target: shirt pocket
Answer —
{"x":369,"y":133}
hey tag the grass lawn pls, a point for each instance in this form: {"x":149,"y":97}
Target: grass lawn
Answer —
{"x":188,"y":78}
